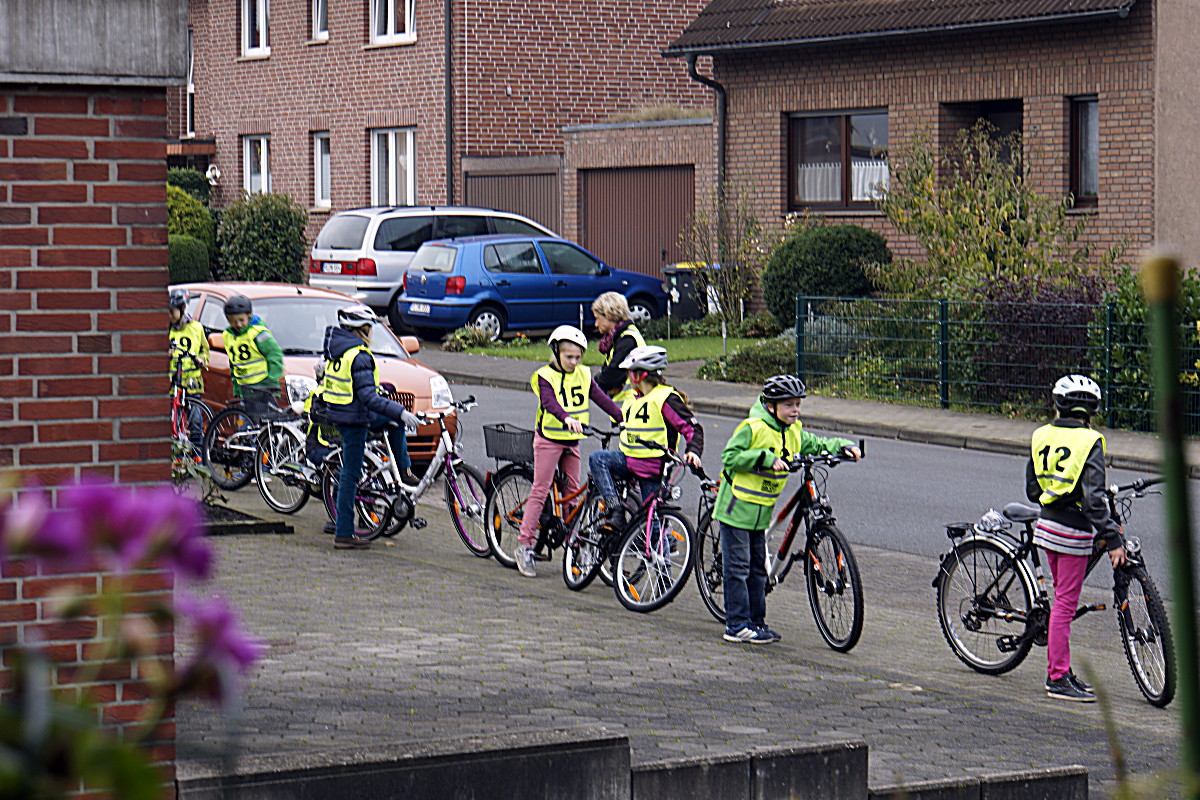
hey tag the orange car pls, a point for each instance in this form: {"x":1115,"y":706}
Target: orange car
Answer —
{"x":298,"y":316}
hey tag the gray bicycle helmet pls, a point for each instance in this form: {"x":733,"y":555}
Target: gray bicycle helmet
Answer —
{"x":783,"y":387}
{"x":178,"y":299}
{"x":354,"y":317}
{"x":648,"y":357}
{"x":238,"y":304}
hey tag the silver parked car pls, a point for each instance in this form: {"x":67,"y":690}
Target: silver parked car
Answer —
{"x":365,"y":251}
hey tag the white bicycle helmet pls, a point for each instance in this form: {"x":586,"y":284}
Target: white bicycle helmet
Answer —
{"x":354,"y":317}
{"x":1076,"y":392}
{"x":567,"y":333}
{"x":648,"y":357}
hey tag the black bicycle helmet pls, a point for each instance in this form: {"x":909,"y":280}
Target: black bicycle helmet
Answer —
{"x":238,"y":304}
{"x":179,"y":299}
{"x":783,"y":387}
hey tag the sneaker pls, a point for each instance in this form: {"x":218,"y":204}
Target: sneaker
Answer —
{"x":350,"y":543}
{"x":409,"y":479}
{"x":1078,"y":681}
{"x":746,"y":633}
{"x":1065,"y":689}
{"x":330,"y":528}
{"x":524,"y":558}
{"x":615,"y":516}
{"x":771,"y":635}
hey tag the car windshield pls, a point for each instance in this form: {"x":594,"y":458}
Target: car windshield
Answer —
{"x":434,"y":258}
{"x":299,"y":324}
{"x":343,"y":232}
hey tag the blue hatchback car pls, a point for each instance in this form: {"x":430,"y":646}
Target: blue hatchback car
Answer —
{"x":514,"y":283}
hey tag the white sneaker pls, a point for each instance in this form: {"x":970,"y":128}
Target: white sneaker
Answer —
{"x":524,"y":558}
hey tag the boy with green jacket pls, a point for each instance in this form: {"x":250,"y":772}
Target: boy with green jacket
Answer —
{"x":754,"y":471}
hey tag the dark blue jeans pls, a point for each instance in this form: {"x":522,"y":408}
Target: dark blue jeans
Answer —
{"x":608,"y":466}
{"x":744,"y":564}
{"x":354,"y":445}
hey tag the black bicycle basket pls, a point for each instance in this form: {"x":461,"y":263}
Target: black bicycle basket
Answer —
{"x":508,"y":442}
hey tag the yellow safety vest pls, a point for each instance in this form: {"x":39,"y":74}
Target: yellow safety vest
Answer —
{"x":188,"y":339}
{"x":338,"y":386}
{"x":1059,"y":455}
{"x":627,"y":391}
{"x":574,"y":395}
{"x":316,"y":429}
{"x":763,"y":486}
{"x":246,"y":361}
{"x":644,"y":419}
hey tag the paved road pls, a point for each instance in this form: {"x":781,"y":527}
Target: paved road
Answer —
{"x":422,"y":640}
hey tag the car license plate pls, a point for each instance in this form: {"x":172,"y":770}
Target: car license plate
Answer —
{"x":332,"y":267}
{"x":419,"y":308}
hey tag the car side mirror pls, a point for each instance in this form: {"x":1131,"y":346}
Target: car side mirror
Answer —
{"x":216,"y":341}
{"x":411,"y":344}
{"x":605,"y":271}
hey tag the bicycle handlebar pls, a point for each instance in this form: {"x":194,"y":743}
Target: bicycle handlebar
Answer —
{"x":1138,"y":486}
{"x":463,"y":405}
{"x":673,"y":457}
{"x":827,"y":459}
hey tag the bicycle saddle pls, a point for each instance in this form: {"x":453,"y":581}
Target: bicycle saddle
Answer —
{"x":1019,"y":512}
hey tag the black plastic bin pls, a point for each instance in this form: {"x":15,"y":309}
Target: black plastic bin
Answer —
{"x":686,"y":302}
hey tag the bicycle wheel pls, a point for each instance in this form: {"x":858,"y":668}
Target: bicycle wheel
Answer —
{"x":331,"y":470}
{"x":709,"y":578}
{"x":279,"y":468}
{"x":372,"y":502}
{"x":585,"y":548}
{"x":834,"y":588}
{"x":505,"y":510}
{"x":651,"y":569}
{"x":466,"y":498}
{"x":983,"y":604}
{"x":1146,"y":635}
{"x":206,"y":416}
{"x":228,"y":449}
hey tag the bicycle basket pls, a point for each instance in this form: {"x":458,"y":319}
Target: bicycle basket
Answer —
{"x":508,"y":442}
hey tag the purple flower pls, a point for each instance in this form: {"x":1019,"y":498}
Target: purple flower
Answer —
{"x":30,"y":527}
{"x":218,"y":637}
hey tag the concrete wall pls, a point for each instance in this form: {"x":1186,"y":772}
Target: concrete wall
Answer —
{"x":110,"y":42}
{"x":1177,"y":119}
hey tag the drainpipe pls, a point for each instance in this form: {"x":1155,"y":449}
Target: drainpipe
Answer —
{"x":448,"y":66}
{"x":719,"y":90}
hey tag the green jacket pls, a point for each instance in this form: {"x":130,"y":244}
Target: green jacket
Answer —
{"x":271,"y":351}
{"x":738,"y":457}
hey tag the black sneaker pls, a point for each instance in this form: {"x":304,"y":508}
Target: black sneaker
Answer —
{"x":615,"y":516}
{"x":330,"y":528}
{"x":1078,"y":681}
{"x":771,"y":635}
{"x":409,"y":479}
{"x":350,"y":543}
{"x":1065,"y":689}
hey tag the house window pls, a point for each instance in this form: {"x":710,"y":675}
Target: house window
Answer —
{"x":392,"y":22}
{"x":837,"y":161}
{"x":254,"y":28}
{"x":321,"y":195}
{"x":191,"y":86}
{"x":392,"y":180}
{"x":256,"y":164}
{"x":1085,"y":150}
{"x":320,"y":20}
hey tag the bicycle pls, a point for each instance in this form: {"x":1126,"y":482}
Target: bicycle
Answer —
{"x":231,"y":439}
{"x":186,"y":407}
{"x":566,"y":523}
{"x":387,"y":505}
{"x":830,"y":569}
{"x":993,"y":606}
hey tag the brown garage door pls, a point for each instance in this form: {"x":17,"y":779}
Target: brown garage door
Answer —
{"x":535,"y":196}
{"x":632,"y":218}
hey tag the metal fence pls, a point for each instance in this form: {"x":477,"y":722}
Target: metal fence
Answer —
{"x":994,"y":356}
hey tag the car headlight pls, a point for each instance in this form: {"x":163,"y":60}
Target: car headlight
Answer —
{"x":299,"y":387}
{"x":439,"y":392}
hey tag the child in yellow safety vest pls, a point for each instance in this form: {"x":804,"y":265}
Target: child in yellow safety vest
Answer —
{"x":754,"y":471}
{"x":565,"y":391}
{"x":656,"y":413}
{"x":189,"y":357}
{"x":255,"y":358}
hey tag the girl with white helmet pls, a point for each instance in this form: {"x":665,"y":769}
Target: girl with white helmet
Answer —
{"x":657,"y":413}
{"x":1066,"y":475}
{"x":565,"y":392}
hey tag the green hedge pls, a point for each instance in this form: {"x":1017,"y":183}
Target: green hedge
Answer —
{"x":191,"y":181}
{"x":262,"y":239}
{"x":187,"y":216}
{"x":753,"y":364}
{"x":187,"y":259}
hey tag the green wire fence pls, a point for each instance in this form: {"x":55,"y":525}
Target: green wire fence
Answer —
{"x":993,"y":356}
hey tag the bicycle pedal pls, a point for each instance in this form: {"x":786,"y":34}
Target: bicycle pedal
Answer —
{"x":1079,"y":612}
{"x":541,"y":556}
{"x":418,"y":523}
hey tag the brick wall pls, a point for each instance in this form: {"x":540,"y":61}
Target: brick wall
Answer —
{"x":915,"y":76}
{"x":82,"y":361}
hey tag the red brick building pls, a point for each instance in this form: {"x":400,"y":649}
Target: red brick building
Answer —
{"x":348,"y":103}
{"x":818,"y":91}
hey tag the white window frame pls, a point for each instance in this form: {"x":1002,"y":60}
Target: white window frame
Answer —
{"x":322,"y":196}
{"x":385,"y":144}
{"x":264,"y":162}
{"x":189,"y":109}
{"x":383,"y":15}
{"x":262,"y":12}
{"x":320,"y":34}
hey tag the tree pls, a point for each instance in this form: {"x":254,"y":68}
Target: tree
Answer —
{"x":978,"y":220}
{"x":728,"y":247}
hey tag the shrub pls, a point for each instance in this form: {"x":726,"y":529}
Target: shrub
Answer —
{"x":759,"y":325}
{"x":826,"y":260}
{"x":187,"y":259}
{"x":657,"y":328}
{"x":262,"y":239}
{"x":465,"y":338}
{"x":187,"y":216}
{"x":708,"y":325}
{"x":752,"y":364}
{"x":191,"y":181}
